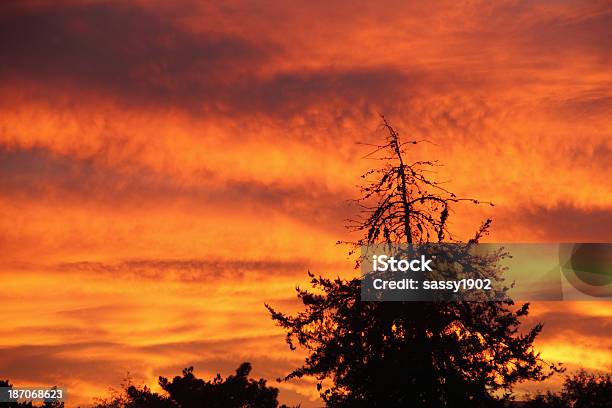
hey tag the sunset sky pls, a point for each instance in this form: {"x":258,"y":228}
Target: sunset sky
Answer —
{"x":167,"y":169}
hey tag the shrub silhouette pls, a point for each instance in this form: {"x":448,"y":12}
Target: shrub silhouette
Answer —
{"x":188,"y":391}
{"x":418,"y":354}
{"x":235,"y":391}
{"x":582,"y":390}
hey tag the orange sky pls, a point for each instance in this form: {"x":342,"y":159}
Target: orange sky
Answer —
{"x":165,"y":170}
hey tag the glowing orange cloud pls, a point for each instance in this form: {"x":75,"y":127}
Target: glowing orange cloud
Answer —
{"x":166,"y":169}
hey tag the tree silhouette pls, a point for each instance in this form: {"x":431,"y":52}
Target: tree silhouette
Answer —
{"x":235,"y":391}
{"x":582,"y":390}
{"x":188,"y":391}
{"x":420,"y":354}
{"x":136,"y":397}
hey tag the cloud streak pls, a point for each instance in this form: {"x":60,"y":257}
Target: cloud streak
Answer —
{"x":166,"y":169}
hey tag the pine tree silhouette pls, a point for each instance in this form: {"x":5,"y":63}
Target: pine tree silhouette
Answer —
{"x":408,"y":354}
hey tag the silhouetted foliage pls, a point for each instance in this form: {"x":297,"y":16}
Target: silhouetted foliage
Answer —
{"x":235,"y":391}
{"x":136,"y":397}
{"x":188,"y":391}
{"x":582,"y":390}
{"x":397,"y":354}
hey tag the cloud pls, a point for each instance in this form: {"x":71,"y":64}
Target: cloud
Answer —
{"x":39,"y":174}
{"x":144,"y":146}
{"x":121,"y":49}
{"x":560,"y":223}
{"x":98,"y":365}
{"x":187,"y":270}
{"x":141,"y":56}
{"x":567,"y":322}
{"x":134,"y":55}
{"x":46,"y":363}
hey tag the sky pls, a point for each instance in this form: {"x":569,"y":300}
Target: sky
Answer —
{"x":166,"y":169}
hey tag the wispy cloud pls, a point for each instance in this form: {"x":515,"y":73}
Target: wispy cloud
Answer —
{"x":165,"y":169}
